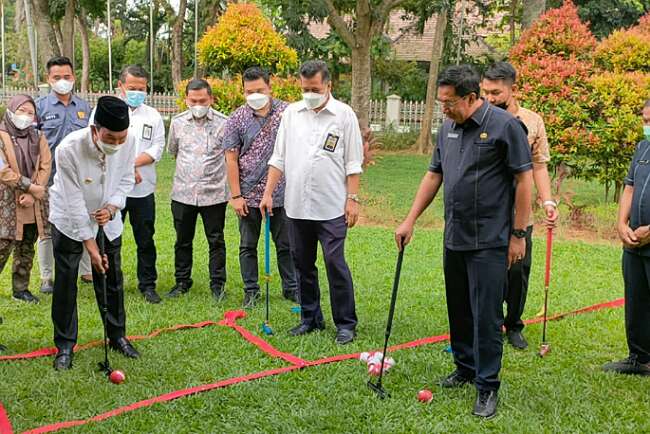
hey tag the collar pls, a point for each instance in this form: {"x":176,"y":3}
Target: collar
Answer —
{"x":477,"y":118}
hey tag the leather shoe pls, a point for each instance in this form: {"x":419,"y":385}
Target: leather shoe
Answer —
{"x":250,"y":299}
{"x":122,"y":345}
{"x":344,"y":336}
{"x":47,"y":287}
{"x":25,"y":296}
{"x":629,"y":365}
{"x":291,"y":295}
{"x":516,"y":339}
{"x":218,"y":293}
{"x":454,"y":380}
{"x":151,"y":296}
{"x":486,"y":403}
{"x":63,"y":360}
{"x":305,"y":328}
{"x":178,"y":290}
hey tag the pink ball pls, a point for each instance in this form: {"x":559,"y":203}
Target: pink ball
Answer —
{"x":425,"y":396}
{"x":373,"y":369}
{"x":117,"y":377}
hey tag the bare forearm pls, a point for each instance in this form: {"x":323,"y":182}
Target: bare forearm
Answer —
{"x":232,"y":167}
{"x":353,"y":183}
{"x":272,"y":180}
{"x":143,"y":159}
{"x":427,"y":191}
{"x":523,"y":199}
{"x":625,"y":205}
{"x":542,"y":181}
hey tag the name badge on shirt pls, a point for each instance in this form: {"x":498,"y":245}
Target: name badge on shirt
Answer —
{"x":88,"y":181}
{"x":51,"y":117}
{"x":643,"y":162}
{"x":147,"y":132}
{"x":452,"y":135}
{"x":331,"y":142}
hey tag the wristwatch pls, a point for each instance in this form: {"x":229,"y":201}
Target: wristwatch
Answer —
{"x":354,"y":197}
{"x":519,"y":233}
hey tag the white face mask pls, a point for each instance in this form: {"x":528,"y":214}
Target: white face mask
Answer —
{"x":199,"y":111}
{"x":108,"y":149}
{"x":257,"y":101}
{"x":21,"y":121}
{"x":314,"y":100}
{"x":63,"y":87}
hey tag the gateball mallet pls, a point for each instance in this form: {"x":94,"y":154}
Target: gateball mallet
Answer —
{"x":378,"y":388}
{"x":115,"y":376}
{"x":545,"y":347}
{"x":266,"y":326}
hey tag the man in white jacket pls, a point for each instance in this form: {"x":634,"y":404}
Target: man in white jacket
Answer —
{"x":95,"y":173}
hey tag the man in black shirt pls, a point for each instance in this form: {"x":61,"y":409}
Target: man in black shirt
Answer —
{"x":483,"y":160}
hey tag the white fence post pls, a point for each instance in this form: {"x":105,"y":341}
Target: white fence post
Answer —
{"x":393,"y":110}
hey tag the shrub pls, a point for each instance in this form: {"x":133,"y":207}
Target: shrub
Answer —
{"x":244,"y":37}
{"x":228,"y":94}
{"x":626,"y":50}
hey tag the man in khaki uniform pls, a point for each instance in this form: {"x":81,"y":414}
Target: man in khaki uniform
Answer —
{"x":498,"y":87}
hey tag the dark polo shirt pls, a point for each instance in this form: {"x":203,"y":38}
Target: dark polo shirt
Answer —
{"x":639,"y":177}
{"x":478,"y":161}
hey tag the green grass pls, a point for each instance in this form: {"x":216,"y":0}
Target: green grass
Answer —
{"x":565,"y":392}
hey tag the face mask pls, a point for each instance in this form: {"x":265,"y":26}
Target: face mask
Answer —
{"x":21,"y":121}
{"x":135,"y":98}
{"x":199,"y":111}
{"x":646,"y":132}
{"x":313,"y":100}
{"x":257,"y":101}
{"x":63,"y":87}
{"x":108,"y":149}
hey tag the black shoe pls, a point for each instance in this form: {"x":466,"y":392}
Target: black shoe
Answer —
{"x":151,"y":296}
{"x":178,"y":290}
{"x":63,"y":360}
{"x":486,"y":403}
{"x":628,"y":366}
{"x":25,"y":296}
{"x":516,"y":339}
{"x":122,"y":345}
{"x":250,"y":299}
{"x":305,"y":328}
{"x":47,"y":287}
{"x":455,"y":379}
{"x":218,"y":293}
{"x":291,"y":295}
{"x":344,"y":336}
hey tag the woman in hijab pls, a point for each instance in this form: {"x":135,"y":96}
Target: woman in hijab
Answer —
{"x":25,"y":164}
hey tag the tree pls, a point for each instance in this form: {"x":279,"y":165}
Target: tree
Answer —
{"x":47,"y":43}
{"x":424,"y":139}
{"x":243,"y":37}
{"x":178,"y":21}
{"x":532,"y":9}
{"x":605,"y":16}
{"x":357,"y":23}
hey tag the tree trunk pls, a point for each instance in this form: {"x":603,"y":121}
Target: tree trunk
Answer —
{"x":532,"y":10}
{"x":177,"y":44}
{"x":67,"y":43}
{"x":58,"y":35}
{"x":361,"y":82}
{"x":513,"y":21}
{"x":424,"y":139}
{"x":85,"y":51}
{"x":47,"y":45}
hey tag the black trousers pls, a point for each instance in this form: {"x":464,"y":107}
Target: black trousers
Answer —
{"x":517,"y":289}
{"x":67,"y":254}
{"x":142,"y":217}
{"x":636,"y":275}
{"x":474,"y":282}
{"x":249,"y":231}
{"x":214,"y":218}
{"x":305,"y":235}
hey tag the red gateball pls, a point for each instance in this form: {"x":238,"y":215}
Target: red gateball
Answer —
{"x":117,"y":377}
{"x":425,"y":395}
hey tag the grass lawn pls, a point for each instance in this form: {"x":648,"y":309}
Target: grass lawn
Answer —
{"x":565,"y":392}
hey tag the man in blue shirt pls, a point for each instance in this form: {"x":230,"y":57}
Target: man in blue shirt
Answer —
{"x":482,"y":160}
{"x":60,"y":113}
{"x":634,"y":231}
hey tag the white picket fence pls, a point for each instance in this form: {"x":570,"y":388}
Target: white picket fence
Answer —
{"x":402,"y":116}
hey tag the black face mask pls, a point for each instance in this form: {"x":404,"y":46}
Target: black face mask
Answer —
{"x":503,"y":105}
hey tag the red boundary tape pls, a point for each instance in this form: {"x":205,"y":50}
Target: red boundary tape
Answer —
{"x":229,"y":320}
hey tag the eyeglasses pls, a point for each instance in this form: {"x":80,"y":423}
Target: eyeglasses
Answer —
{"x":451,"y":103}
